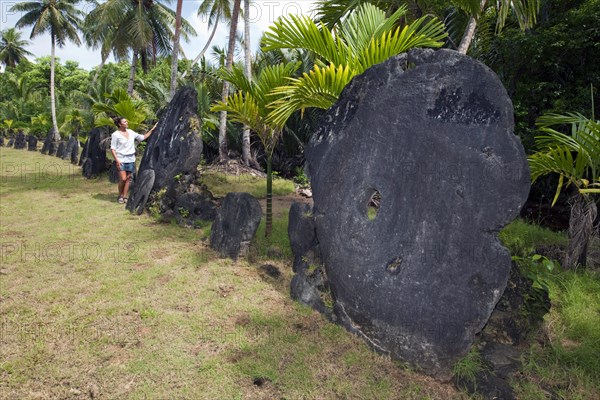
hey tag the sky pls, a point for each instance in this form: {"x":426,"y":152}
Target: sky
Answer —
{"x":262,"y":15}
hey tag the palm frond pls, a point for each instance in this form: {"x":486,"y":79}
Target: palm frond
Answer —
{"x":366,"y":23}
{"x":319,"y":88}
{"x":302,"y":32}
{"x":424,"y":32}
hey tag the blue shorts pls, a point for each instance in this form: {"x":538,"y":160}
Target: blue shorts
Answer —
{"x":128,"y":166}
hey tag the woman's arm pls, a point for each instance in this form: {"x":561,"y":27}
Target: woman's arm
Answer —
{"x":150,"y":131}
{"x":114,"y":153}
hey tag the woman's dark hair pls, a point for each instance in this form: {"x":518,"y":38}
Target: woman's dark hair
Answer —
{"x":117,"y":120}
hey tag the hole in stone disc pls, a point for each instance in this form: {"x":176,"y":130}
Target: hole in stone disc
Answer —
{"x":373,"y":205}
{"x":393,"y":267}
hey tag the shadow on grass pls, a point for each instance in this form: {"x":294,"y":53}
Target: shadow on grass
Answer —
{"x":111,"y":198}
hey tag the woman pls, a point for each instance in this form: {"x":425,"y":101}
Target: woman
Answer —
{"x":122,"y":146}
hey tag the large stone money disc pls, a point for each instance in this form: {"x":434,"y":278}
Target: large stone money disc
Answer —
{"x":431,"y":133}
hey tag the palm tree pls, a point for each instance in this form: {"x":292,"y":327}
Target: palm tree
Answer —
{"x":225,"y":93}
{"x":576,"y":160}
{"x":366,"y":37}
{"x":98,"y":33}
{"x":250,"y":106}
{"x":248,"y":65}
{"x":142,"y":27}
{"x":216,"y":9}
{"x":59,"y":17}
{"x":524,"y":10}
{"x":12,"y":51}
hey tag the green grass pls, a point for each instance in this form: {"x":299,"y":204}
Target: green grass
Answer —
{"x":277,"y":245}
{"x":568,"y":366}
{"x":468,"y":367}
{"x":135,"y":309}
{"x":220,"y":184}
{"x":521,"y":238}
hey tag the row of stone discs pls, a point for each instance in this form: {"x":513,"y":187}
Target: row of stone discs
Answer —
{"x":21,"y":141}
{"x":430,"y":134}
{"x":69,"y":150}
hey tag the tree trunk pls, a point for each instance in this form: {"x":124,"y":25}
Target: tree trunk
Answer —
{"x":228,"y":65}
{"x":132,"y":73}
{"x":469,"y":34}
{"x":248,"y":60}
{"x":52,"y":97}
{"x":581,"y":225}
{"x":199,"y":56}
{"x":175,"y":55}
{"x":97,"y":74}
{"x":269,"y":216}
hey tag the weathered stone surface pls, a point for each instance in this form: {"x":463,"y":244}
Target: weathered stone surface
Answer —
{"x":20,"y":141}
{"x":194,"y":207}
{"x":113,"y":173}
{"x":72,"y":151}
{"x":50,"y":144}
{"x":487,"y":386}
{"x":301,"y":228}
{"x":61,"y":152}
{"x":11,"y":142}
{"x":235,"y":224}
{"x":32,"y":143}
{"x":140,"y":190}
{"x":519,"y":313}
{"x":1,"y":141}
{"x":431,"y":133}
{"x":84,"y":152}
{"x":309,"y":284}
{"x":95,"y":157}
{"x":175,"y":147}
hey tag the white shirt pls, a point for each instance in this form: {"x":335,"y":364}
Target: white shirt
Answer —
{"x":123,"y":146}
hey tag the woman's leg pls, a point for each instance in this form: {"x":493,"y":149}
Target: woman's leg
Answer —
{"x":122,"y":182}
{"x":127,"y":183}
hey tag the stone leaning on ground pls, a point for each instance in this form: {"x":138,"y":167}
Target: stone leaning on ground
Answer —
{"x":431,"y":135}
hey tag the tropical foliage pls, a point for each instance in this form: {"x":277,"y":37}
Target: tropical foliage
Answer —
{"x":12,"y":48}
{"x":575,"y":158}
{"x":119,"y":103}
{"x":366,"y":37}
{"x":60,"y":18}
{"x":250,"y":106}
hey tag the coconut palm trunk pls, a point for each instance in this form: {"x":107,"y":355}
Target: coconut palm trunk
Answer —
{"x":225,"y":93}
{"x":469,"y":34}
{"x":97,"y":74}
{"x":199,"y":56}
{"x":248,"y":60}
{"x":134,"y":60}
{"x":52,"y":96}
{"x":175,"y":55}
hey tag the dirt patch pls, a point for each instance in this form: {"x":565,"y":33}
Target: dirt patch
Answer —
{"x":282,"y":204}
{"x":232,"y":167}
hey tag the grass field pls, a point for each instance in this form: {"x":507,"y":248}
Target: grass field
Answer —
{"x":98,"y":304}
